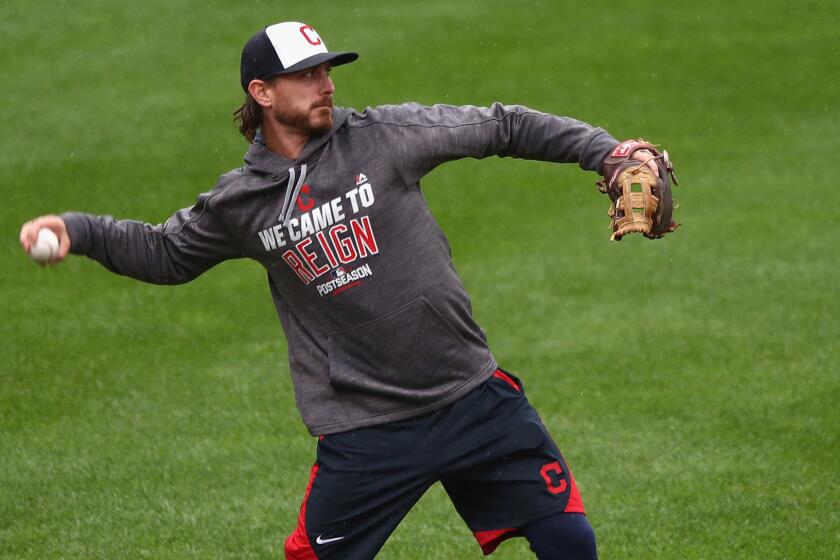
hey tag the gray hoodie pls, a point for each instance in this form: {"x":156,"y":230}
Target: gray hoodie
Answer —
{"x":379,"y":325}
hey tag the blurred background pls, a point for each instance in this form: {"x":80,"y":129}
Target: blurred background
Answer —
{"x":692,"y":382}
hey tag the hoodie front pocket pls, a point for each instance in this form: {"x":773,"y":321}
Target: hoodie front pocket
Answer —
{"x":411,"y":354}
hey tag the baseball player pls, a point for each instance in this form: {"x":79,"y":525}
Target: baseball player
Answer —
{"x":390,"y":370}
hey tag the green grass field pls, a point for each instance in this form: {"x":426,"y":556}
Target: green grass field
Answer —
{"x":693,"y":383}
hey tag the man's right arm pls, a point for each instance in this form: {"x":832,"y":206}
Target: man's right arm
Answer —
{"x":190,"y":242}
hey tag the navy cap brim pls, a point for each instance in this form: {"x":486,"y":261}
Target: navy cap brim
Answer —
{"x":336,"y":58}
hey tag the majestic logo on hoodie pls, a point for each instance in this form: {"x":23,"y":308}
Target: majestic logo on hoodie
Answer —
{"x":327,"y":237}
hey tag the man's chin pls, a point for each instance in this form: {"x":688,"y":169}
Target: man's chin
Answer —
{"x":322,"y":120}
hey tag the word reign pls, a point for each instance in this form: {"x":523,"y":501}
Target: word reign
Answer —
{"x":341,"y":244}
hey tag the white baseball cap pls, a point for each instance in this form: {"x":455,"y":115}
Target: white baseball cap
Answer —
{"x":283,"y":48}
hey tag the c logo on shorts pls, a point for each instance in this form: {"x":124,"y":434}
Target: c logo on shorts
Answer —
{"x":552,"y":473}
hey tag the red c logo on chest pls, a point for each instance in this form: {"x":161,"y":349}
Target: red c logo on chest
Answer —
{"x":309,"y":204}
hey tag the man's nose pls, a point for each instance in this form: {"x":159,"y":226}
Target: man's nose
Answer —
{"x":328,"y":86}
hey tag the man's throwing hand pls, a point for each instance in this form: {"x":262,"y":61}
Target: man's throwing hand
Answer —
{"x":29,"y":235}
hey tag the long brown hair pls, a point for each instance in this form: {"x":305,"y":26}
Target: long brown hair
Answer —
{"x":248,"y":117}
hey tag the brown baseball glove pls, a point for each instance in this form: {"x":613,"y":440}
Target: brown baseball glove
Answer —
{"x":641,"y":201}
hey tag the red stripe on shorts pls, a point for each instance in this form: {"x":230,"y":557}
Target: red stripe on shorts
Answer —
{"x":490,"y":540}
{"x":506,"y":378}
{"x":297,"y":546}
{"x":575,"y":504}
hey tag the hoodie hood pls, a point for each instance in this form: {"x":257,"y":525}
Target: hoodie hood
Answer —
{"x":260,"y":159}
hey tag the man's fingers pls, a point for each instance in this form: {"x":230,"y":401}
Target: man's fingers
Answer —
{"x":29,"y":233}
{"x":648,"y":158}
{"x":653,"y":167}
{"x":24,"y":237}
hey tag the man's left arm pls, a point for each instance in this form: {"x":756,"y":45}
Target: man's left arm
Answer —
{"x":421,"y":138}
{"x":425,"y":137}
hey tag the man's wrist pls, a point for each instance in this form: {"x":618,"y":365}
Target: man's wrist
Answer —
{"x":78,"y":231}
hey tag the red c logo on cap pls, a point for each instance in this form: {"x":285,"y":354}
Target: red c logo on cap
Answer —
{"x":304,"y":29}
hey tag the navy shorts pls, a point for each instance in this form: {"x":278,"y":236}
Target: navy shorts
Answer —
{"x":489,"y":449}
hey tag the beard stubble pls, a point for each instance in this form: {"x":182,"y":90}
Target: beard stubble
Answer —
{"x":316,"y":119}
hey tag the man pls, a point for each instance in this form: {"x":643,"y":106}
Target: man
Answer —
{"x":389,"y":368}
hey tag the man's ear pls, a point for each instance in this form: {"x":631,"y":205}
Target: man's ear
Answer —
{"x":261,"y":92}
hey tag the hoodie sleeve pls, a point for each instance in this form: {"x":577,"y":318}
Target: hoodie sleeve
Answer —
{"x":190,"y":242}
{"x":424,"y":137}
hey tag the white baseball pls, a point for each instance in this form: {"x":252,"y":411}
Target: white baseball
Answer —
{"x":46,"y":246}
